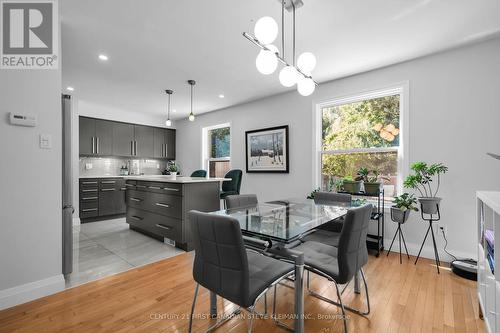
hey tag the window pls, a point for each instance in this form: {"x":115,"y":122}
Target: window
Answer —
{"x":361,"y":131}
{"x":217,"y":152}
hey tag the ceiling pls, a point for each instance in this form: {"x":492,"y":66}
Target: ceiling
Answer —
{"x":155,"y":45}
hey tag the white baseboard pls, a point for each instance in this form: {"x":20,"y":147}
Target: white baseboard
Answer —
{"x":76,"y":221}
{"x":427,"y":251}
{"x":31,"y":291}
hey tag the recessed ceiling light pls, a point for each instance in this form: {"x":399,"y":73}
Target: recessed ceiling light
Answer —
{"x":103,"y":57}
{"x":221,"y":96}
{"x":70,"y":88}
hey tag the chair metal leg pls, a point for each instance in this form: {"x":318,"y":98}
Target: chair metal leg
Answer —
{"x":404,"y":242}
{"x":393,"y":238}
{"x":252,"y":315}
{"x":341,"y":306}
{"x":357,"y":311}
{"x":192,"y":308}
{"x":421,"y":247}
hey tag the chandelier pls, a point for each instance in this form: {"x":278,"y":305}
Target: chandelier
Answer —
{"x":299,"y":70}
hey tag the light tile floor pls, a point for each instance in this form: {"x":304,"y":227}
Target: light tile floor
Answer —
{"x":108,"y":247}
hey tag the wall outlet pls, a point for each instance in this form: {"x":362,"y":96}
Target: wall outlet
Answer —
{"x":443,"y":228}
{"x":158,"y":166}
{"x":88,"y":166}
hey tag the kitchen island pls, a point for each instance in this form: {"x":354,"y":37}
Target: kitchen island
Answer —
{"x":158,"y":206}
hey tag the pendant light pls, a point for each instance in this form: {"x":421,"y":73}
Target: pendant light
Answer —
{"x":169,"y":105}
{"x":191,"y":83}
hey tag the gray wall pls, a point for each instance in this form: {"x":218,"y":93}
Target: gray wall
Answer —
{"x":30,"y":194}
{"x":454,"y":119}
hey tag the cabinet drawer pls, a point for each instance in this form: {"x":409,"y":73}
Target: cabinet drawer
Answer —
{"x":88,"y":184}
{"x":89,"y":212}
{"x":162,"y":188}
{"x":164,"y":204}
{"x":157,"y":224}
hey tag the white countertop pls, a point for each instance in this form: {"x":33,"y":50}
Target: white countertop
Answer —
{"x":178,"y":179}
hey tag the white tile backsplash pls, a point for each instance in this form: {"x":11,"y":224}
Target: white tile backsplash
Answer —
{"x":110,"y":166}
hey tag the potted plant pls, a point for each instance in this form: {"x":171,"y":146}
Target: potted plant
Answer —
{"x":351,"y":185}
{"x":173,"y":169}
{"x":403,"y":205}
{"x":371,"y":180}
{"x":422,"y":179}
{"x":313,"y":193}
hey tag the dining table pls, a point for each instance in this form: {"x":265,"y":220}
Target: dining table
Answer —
{"x":274,"y":227}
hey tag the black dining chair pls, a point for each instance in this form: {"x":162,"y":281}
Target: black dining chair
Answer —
{"x":233,"y":186}
{"x":242,"y":200}
{"x":329,"y":233}
{"x":223,"y":265}
{"x":199,"y":173}
{"x":340,"y":264}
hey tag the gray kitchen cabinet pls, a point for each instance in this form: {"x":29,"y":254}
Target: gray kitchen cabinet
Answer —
{"x":87,"y":136}
{"x":144,"y":141}
{"x":164,"y":143}
{"x":170,"y":144}
{"x":101,"y":198}
{"x":123,"y":139}
{"x":104,"y":137}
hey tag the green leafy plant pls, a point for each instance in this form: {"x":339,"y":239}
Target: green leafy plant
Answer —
{"x":348,"y":178}
{"x":406,"y":201}
{"x":172,"y":167}
{"x":423,"y":176}
{"x":369,"y":176}
{"x":313,"y":193}
{"x":362,"y":174}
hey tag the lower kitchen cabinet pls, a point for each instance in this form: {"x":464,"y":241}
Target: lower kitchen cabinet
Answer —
{"x":101,"y":197}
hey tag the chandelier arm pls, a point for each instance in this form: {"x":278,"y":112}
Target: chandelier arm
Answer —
{"x":280,"y":59}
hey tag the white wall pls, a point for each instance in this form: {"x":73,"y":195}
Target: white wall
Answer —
{"x":89,"y":109}
{"x":454,"y":119}
{"x":30,"y":191}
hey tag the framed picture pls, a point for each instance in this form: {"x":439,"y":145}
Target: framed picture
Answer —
{"x":267,"y":150}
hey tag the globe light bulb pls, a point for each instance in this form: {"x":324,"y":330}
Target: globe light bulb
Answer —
{"x":191,"y":117}
{"x":306,"y":62}
{"x":266,"y":30}
{"x":168,"y":123}
{"x":266,"y":62}
{"x":306,"y":86}
{"x":288,"y":76}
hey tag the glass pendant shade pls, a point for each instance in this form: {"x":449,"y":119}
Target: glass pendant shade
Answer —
{"x":266,"y":62}
{"x":191,"y":117}
{"x":288,"y":76}
{"x":266,"y":30}
{"x":306,"y":86}
{"x":306,"y":62}
{"x":168,"y":123}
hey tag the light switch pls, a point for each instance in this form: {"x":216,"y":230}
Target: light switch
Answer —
{"x":45,"y":141}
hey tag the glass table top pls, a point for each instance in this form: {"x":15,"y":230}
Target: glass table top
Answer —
{"x":284,"y":220}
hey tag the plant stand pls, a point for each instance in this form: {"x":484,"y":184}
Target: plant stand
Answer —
{"x":431,"y":219}
{"x":400,"y":233}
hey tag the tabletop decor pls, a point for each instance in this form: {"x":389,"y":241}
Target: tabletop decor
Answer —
{"x":267,"y":150}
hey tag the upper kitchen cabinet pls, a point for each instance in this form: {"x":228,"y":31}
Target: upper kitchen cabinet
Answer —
{"x":123,"y":139}
{"x":164,"y":143}
{"x":144,"y":141}
{"x":96,"y":136}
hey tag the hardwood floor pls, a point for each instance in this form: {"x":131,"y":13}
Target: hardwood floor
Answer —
{"x":157,"y":298}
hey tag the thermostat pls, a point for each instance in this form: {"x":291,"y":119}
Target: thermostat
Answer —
{"x":27,"y":120}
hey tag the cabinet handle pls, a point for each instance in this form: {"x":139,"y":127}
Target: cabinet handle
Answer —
{"x":107,"y":189}
{"x":89,"y":210}
{"x":123,"y":189}
{"x":129,"y":185}
{"x":89,"y":183}
{"x":171,"y":189}
{"x":132,"y":148}
{"x":166,"y":150}
{"x":135,"y":199}
{"x":137,"y":218}
{"x":108,"y":182}
{"x":135,"y":148}
{"x":97,"y":144}
{"x":90,"y":198}
{"x":141,"y":186}
{"x":164,"y":227}
{"x":162,"y":205}
{"x":93,"y":145}
{"x":154,"y":188}
{"x":93,"y":190}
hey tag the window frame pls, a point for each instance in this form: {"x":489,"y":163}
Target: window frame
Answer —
{"x":205,"y":154}
{"x":401,"y":89}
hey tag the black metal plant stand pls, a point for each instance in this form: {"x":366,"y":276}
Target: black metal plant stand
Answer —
{"x":400,"y":233}
{"x":431,"y":229}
